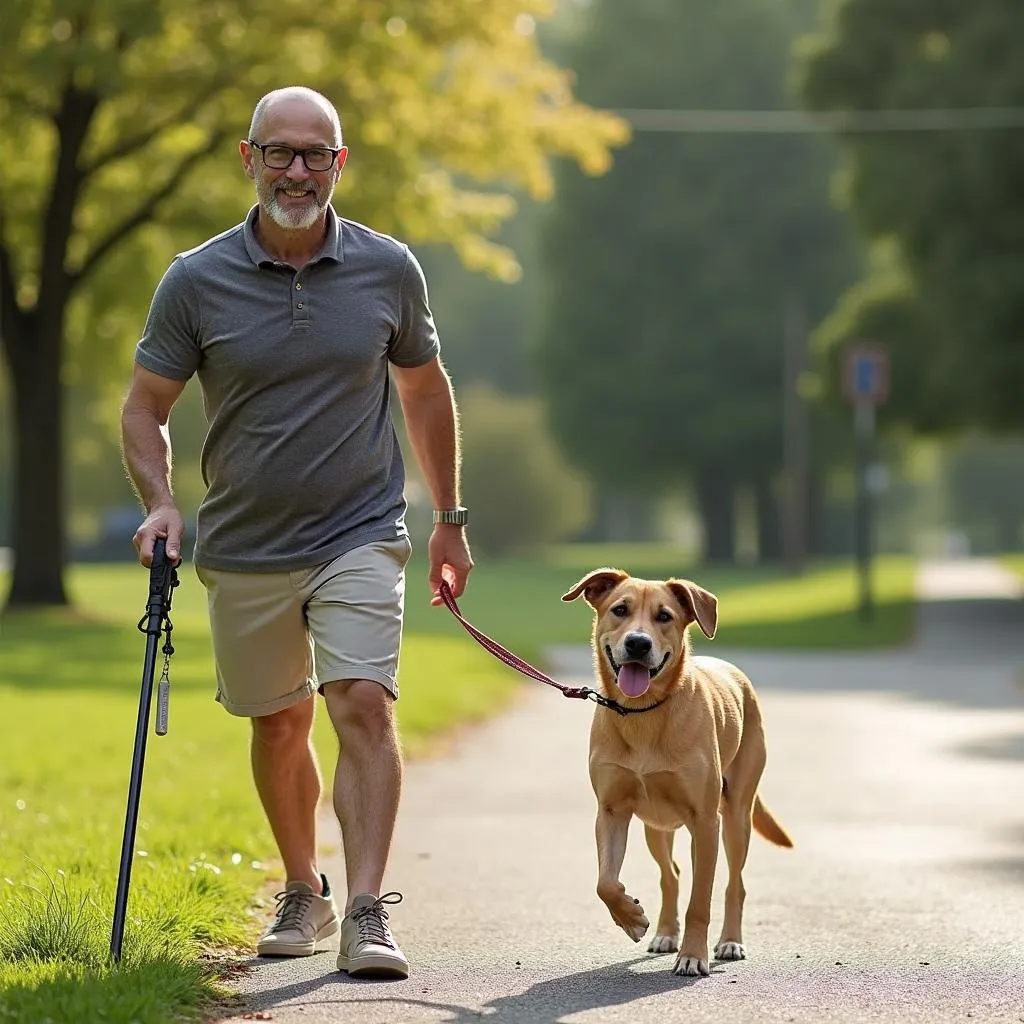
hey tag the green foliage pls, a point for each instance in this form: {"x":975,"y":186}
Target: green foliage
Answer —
{"x":992,"y":471}
{"x":124,"y":121}
{"x":522,"y":491}
{"x":668,"y":280}
{"x":484,"y":321}
{"x":434,"y":95}
{"x":885,"y":306}
{"x":947,"y":204}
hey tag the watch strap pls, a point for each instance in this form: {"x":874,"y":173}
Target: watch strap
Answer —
{"x":452,"y":516}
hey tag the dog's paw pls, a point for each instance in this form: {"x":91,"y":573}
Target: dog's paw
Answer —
{"x":691,"y":966}
{"x":663,"y":944}
{"x":630,"y":917}
{"x":636,"y":929}
{"x":730,"y":951}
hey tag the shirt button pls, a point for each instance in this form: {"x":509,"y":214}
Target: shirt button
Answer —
{"x":298,"y":287}
{"x":298,"y":305}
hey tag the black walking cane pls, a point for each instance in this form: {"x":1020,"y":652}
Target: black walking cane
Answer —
{"x":162,"y":580}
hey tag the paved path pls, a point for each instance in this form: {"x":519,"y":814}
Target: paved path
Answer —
{"x":899,"y":774}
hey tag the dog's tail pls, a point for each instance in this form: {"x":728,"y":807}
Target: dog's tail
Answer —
{"x":767,"y":826}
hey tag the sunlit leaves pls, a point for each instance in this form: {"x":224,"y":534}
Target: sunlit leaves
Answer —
{"x":448,"y":107}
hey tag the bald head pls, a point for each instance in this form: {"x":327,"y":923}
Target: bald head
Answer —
{"x":300,"y":99}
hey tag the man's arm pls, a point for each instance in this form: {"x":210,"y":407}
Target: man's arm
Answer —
{"x":432,"y":423}
{"x":146,"y":446}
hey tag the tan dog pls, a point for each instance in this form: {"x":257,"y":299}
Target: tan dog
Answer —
{"x":695,"y":753}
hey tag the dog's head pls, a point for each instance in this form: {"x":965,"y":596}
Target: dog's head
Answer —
{"x":641,"y":626}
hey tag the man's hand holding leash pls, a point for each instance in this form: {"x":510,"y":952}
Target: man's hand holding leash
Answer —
{"x":450,"y":560}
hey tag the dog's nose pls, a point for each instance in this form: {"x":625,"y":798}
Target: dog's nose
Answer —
{"x":637,"y":645}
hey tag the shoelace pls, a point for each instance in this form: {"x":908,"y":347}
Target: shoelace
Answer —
{"x":372,"y":919}
{"x":291,"y":907}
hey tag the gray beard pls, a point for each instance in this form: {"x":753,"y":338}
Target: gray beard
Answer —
{"x":294,"y":220}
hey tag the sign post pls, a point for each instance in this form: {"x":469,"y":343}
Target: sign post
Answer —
{"x":866,"y":386}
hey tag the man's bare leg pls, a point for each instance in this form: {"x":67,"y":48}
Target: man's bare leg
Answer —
{"x":368,"y":779}
{"x":287,"y":777}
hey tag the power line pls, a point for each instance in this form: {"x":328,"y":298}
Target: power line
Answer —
{"x":797,"y":122}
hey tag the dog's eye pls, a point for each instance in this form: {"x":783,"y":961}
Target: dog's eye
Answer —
{"x":663,"y":616}
{"x":620,"y":610}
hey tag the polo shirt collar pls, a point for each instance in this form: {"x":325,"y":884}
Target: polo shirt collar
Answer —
{"x":332,"y":249}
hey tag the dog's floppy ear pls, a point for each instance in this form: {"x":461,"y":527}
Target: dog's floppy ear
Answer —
{"x":595,"y":585}
{"x":699,"y":603}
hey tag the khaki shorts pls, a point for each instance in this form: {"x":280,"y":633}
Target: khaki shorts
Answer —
{"x":279,"y":636}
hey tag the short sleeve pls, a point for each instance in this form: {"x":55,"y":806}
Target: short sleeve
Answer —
{"x":415,"y":342}
{"x":170,"y":342}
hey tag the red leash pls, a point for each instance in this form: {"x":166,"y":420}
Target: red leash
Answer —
{"x":514,"y":661}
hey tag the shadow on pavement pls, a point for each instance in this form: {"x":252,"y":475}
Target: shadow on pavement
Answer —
{"x":545,"y":1002}
{"x":986,"y":629}
{"x":996,"y":748}
{"x":1007,"y":869}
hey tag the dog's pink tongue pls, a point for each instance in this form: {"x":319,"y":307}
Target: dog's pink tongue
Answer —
{"x":634,"y":679}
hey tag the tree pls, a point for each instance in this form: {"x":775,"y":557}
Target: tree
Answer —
{"x":669,"y":279}
{"x":484,"y":320}
{"x":522,"y":493}
{"x":944,"y":208}
{"x":124,"y":118}
{"x":984,"y":482}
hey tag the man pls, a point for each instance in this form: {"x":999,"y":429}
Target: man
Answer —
{"x":292,"y":321}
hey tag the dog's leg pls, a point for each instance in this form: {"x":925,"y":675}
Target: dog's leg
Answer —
{"x":736,"y":838}
{"x":743,"y":777}
{"x":612,"y":832}
{"x":704,"y":837}
{"x":666,"y":938}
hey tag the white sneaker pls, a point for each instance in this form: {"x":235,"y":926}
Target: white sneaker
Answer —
{"x":368,"y":949}
{"x":304,"y":924}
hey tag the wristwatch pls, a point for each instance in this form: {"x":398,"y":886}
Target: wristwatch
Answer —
{"x":452,"y":516}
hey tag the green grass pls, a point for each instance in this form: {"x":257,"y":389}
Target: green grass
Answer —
{"x":518,"y":603}
{"x":1015,"y":563}
{"x":69,"y":683}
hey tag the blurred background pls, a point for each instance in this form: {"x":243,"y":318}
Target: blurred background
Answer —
{"x":651,"y":231}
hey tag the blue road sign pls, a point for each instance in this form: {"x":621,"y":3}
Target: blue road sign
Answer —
{"x":866,"y":374}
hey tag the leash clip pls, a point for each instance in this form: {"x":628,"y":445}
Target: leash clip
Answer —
{"x":589,"y":693}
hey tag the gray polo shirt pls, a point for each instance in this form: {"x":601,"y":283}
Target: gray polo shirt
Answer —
{"x":301,"y":461}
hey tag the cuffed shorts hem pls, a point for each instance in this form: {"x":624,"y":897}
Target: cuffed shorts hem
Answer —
{"x":350,"y":673}
{"x":269,"y":707}
{"x":276,"y":636}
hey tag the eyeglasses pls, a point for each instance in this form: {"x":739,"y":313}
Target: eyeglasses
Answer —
{"x":280,"y":158}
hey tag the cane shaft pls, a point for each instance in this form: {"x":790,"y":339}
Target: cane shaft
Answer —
{"x":161,"y":579}
{"x":131,"y":818}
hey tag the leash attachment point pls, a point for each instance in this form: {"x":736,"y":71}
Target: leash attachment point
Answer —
{"x":515,"y":662}
{"x":589,"y":693}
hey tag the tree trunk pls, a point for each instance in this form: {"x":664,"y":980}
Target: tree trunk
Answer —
{"x":716,"y":499}
{"x":33,"y":340}
{"x":769,"y":522}
{"x":39,"y":535}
